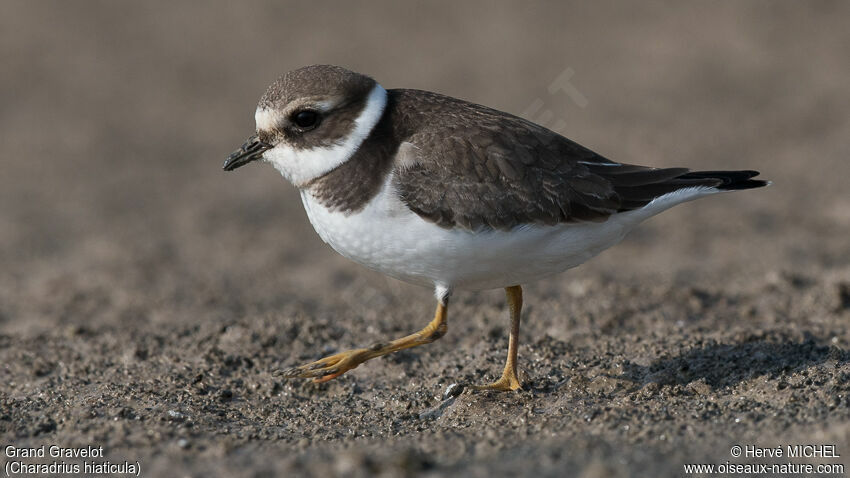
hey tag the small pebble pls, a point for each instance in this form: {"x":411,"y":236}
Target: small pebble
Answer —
{"x":453,"y":390}
{"x":176,"y":415}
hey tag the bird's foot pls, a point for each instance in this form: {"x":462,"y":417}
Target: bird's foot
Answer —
{"x":329,"y":367}
{"x":335,"y":365}
{"x":507,"y":383}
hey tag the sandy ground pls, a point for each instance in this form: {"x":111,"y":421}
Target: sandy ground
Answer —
{"x":145,"y":295}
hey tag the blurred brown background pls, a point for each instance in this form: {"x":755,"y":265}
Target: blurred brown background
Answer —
{"x":117,"y":223}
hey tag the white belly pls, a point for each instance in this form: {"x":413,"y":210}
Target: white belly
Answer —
{"x":386,"y":236}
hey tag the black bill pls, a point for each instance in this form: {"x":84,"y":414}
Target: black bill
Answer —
{"x":252,"y":149}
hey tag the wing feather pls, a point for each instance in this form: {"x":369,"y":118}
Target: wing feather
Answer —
{"x":478,"y":168}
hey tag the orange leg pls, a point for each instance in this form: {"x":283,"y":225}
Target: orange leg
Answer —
{"x":335,"y":365}
{"x":509,"y":380}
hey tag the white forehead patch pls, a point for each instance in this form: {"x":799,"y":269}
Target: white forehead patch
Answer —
{"x":299,"y":166}
{"x":267,"y":119}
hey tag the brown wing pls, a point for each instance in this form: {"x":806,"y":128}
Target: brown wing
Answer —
{"x":473,"y":167}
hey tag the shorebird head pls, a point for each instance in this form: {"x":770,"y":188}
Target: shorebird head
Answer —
{"x":311,"y":120}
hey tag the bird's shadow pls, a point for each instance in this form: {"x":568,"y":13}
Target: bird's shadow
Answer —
{"x":724,"y":365}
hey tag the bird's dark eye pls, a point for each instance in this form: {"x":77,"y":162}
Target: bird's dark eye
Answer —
{"x":306,"y":118}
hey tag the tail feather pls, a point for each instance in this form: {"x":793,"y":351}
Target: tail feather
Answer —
{"x":729,"y":180}
{"x":637,"y":186}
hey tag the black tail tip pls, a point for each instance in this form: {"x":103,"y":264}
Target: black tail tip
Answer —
{"x":731,"y":180}
{"x":743,"y":181}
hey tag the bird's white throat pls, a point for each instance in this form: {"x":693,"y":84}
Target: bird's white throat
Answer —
{"x":299,"y":166}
